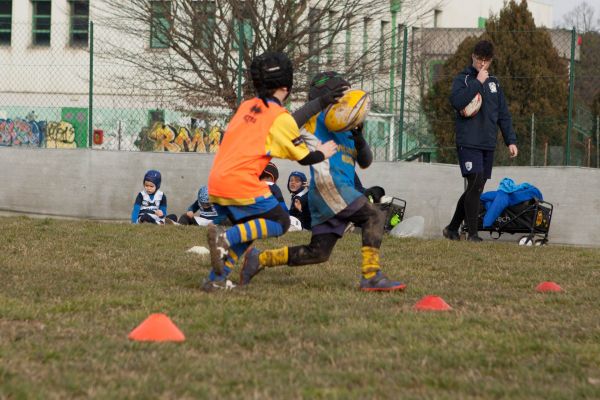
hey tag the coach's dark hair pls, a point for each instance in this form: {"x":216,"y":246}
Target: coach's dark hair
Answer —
{"x":484,"y":49}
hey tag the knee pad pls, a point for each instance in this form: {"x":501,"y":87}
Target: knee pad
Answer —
{"x":321,"y":247}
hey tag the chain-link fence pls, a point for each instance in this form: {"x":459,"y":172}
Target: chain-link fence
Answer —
{"x":97,"y":86}
{"x":44,"y":95}
{"x":550,"y":81}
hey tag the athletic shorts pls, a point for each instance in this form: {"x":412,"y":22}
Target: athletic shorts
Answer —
{"x":475,"y":161}
{"x":276,"y":214}
{"x":338,"y":223}
{"x":239,"y":213}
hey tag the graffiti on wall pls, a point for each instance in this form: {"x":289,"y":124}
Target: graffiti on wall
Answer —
{"x":201,"y":134}
{"x":198,"y":137}
{"x":21,"y":132}
{"x":31,"y":133}
{"x":60,"y":135}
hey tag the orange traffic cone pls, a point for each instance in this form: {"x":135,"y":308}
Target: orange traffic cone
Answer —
{"x":432,"y":303}
{"x":157,"y":328}
{"x":548,"y":287}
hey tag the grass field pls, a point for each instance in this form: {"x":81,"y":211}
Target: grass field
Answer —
{"x":70,"y":292}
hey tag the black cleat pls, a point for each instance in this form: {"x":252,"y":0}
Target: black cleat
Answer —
{"x":218,"y":246}
{"x":251,"y":267}
{"x":474,"y":238}
{"x":450,"y":234}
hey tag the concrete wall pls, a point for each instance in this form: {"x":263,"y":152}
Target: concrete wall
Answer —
{"x":103,"y":185}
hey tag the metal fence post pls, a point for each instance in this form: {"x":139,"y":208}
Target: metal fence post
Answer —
{"x":240,"y":60}
{"x":597,"y":141}
{"x":373,"y":85}
{"x":394,"y":8}
{"x":532,"y":159}
{"x":91,"y":86}
{"x":402,"y":92}
{"x":571,"y":90}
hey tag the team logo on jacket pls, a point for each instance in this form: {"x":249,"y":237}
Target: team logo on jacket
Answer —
{"x":493,"y":87}
{"x":468,"y":165}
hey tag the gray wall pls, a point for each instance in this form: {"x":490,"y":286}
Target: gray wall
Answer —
{"x":103,"y":185}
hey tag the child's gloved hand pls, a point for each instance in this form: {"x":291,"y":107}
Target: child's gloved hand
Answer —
{"x":333,"y":96}
{"x":395,"y":220}
{"x":358,"y":131}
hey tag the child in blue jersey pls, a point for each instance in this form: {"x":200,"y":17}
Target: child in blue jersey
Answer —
{"x":334,"y":202}
{"x":298,"y":187}
{"x":151,"y":204}
{"x":206,"y":211}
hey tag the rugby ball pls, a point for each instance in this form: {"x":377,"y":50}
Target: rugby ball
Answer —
{"x":295,"y":225}
{"x":349,"y":112}
{"x":525,"y":241}
{"x":473,"y":107}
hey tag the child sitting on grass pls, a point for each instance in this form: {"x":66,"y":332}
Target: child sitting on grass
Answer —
{"x":151,"y":204}
{"x":298,"y":187}
{"x":206,"y":211}
{"x":270,"y":175}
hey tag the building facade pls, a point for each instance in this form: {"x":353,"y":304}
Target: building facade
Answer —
{"x":56,"y":91}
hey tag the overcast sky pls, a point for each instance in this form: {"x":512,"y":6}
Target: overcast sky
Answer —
{"x":561,"y":7}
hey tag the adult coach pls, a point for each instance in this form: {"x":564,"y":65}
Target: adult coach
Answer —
{"x":476,"y":135}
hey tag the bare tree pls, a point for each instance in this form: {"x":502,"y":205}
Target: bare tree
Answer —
{"x":198,"y":51}
{"x":582,"y":18}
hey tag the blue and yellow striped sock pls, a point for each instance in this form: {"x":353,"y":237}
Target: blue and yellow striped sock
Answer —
{"x":232,"y":257}
{"x":234,"y":254}
{"x":212,"y":276}
{"x":252,"y":230}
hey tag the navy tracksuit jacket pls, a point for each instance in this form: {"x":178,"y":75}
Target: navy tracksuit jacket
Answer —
{"x":480,"y":131}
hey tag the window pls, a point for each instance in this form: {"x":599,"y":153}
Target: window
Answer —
{"x":383,"y":46}
{"x":243,"y":33}
{"x":160,"y":26}
{"x":400,"y":47}
{"x":436,"y":18}
{"x":332,"y":28}
{"x":291,"y":29}
{"x":436,"y":68}
{"x":348,"y":48}
{"x":41,"y":22}
{"x":246,"y":34}
{"x":80,"y":17}
{"x":365,"y":41}
{"x":314,"y":40}
{"x":204,"y":23}
{"x":5,"y":21}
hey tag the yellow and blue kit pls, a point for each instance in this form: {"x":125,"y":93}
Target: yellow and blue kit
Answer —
{"x":258,"y":131}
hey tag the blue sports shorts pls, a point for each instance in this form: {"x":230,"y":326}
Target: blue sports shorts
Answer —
{"x":475,"y":161}
{"x":242,"y":213}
